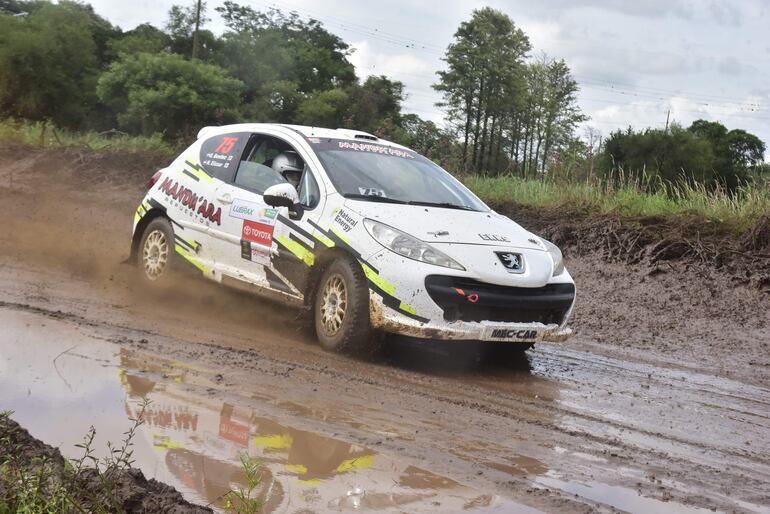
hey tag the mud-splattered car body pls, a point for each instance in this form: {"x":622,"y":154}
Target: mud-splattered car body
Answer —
{"x":448,"y":270}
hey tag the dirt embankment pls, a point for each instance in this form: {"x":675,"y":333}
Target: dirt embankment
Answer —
{"x":127,"y":490}
{"x":655,"y":241}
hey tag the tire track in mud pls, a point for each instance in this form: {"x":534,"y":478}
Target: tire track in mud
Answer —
{"x":574,"y":414}
{"x":479,"y":394}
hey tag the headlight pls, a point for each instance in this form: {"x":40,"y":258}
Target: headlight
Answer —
{"x":408,"y":246}
{"x":558,"y":260}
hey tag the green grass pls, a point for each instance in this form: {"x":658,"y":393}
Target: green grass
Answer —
{"x":36,"y":134}
{"x":741,"y":209}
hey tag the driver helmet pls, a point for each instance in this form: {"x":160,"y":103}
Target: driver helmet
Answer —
{"x":289,"y":165}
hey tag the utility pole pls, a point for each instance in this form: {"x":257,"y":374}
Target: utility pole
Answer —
{"x":667,"y":116}
{"x":195,"y":34}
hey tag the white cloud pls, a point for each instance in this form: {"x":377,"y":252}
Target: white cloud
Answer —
{"x":417,"y":74}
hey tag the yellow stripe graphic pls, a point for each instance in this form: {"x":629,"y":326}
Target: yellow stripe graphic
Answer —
{"x":322,"y":238}
{"x":378,"y":280}
{"x":192,"y":260}
{"x":297,"y":249}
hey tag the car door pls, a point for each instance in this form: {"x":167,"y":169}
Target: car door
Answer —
{"x":256,"y":240}
{"x":294,"y":243}
{"x":244,"y":240}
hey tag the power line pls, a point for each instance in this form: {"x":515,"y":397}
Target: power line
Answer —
{"x":629,"y":90}
{"x":357,"y":28}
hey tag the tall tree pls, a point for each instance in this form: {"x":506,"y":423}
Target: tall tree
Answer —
{"x":187,"y":37}
{"x":482,"y":83}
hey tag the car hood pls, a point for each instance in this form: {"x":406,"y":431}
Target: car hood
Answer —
{"x":441,"y":225}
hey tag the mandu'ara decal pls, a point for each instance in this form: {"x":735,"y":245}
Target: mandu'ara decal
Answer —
{"x":191,"y":201}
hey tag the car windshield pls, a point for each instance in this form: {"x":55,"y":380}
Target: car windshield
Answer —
{"x":380,"y":173}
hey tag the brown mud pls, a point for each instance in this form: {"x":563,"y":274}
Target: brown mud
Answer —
{"x":659,"y":403}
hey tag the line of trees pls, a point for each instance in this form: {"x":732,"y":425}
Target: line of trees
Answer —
{"x":66,"y":65}
{"x":511,"y":113}
{"x":507,"y":112}
{"x":706,"y":152}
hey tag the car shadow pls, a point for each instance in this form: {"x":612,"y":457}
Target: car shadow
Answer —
{"x":451,"y":358}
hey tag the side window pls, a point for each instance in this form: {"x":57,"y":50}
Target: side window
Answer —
{"x":309,"y":193}
{"x":255,"y":171}
{"x":219,"y":154}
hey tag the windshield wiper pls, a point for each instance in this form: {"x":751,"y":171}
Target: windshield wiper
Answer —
{"x":373,"y":198}
{"x":445,"y":205}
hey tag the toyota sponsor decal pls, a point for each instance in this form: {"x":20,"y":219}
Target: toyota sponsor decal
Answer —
{"x":256,"y":232}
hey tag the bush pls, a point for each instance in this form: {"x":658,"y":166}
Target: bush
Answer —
{"x":167,"y":94}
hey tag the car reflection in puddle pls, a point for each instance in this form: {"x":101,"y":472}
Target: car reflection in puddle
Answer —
{"x":200,"y":441}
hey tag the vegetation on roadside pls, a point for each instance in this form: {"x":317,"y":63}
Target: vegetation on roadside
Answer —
{"x":510,"y":117}
{"x":34,"y":478}
{"x":739,"y":209}
{"x":625,"y":195}
{"x":43,"y":483}
{"x":245,"y":500}
{"x":48,"y":136}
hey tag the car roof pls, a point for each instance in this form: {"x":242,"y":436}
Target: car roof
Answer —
{"x":339,"y":133}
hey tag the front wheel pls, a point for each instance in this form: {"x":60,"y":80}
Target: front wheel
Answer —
{"x":341,"y":308}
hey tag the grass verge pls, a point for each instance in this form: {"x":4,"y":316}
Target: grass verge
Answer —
{"x":740,"y":210}
{"x":47,"y":136}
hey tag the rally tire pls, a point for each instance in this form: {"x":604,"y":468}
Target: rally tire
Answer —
{"x":341,"y":308}
{"x":156,"y":255}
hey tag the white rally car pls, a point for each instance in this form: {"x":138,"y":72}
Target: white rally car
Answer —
{"x":367,"y":234}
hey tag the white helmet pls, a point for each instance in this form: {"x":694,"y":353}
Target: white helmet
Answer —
{"x":288,"y":161}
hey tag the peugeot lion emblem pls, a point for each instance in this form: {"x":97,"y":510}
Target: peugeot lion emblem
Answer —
{"x":512,"y":262}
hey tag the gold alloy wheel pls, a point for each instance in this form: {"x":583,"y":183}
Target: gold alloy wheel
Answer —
{"x":155,"y":254}
{"x":334,"y":303}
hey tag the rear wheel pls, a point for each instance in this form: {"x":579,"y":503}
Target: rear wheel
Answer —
{"x":156,"y":251}
{"x":341,"y":308}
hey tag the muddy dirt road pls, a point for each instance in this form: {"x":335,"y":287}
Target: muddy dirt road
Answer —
{"x":659,"y":404}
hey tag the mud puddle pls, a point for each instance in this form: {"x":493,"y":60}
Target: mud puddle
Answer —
{"x":59,"y":381}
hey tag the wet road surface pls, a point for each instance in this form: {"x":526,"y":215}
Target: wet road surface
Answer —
{"x":411,"y":431}
{"x":678,"y":426}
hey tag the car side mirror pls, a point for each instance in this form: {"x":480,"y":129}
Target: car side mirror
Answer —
{"x":284,"y":195}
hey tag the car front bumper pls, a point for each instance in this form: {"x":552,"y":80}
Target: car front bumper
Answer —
{"x":387,"y":320}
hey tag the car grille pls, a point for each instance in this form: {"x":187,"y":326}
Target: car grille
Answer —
{"x":470,"y":300}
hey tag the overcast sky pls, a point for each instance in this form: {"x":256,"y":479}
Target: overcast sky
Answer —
{"x":634,"y":59}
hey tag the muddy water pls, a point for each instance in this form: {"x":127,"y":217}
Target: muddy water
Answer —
{"x":59,"y":381}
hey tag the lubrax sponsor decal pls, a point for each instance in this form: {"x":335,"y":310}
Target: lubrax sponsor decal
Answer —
{"x":502,"y":333}
{"x":190,"y":200}
{"x":253,"y":212}
{"x":494,"y":237}
{"x":345,"y":220}
{"x":257,"y":232}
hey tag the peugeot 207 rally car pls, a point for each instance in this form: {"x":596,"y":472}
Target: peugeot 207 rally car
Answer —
{"x":365,"y":233}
